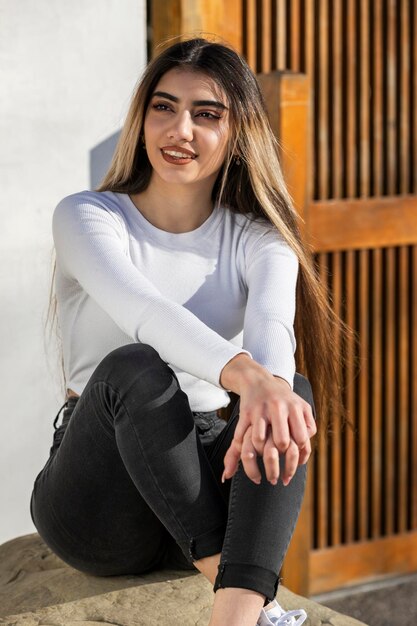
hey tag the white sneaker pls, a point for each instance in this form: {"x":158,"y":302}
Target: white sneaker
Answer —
{"x":278,"y":617}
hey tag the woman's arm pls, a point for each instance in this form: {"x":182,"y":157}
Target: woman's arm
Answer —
{"x":90,"y":249}
{"x":273,"y":420}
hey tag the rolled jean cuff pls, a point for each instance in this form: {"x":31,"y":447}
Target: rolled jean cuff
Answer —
{"x":207,"y":544}
{"x":247,"y":576}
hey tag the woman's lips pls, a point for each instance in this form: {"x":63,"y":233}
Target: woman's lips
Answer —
{"x":177,"y":156}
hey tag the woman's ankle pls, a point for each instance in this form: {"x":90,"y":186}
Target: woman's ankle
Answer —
{"x":234,"y":606}
{"x":209,"y":566}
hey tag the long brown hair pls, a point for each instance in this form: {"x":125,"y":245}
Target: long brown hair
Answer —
{"x":255,"y":187}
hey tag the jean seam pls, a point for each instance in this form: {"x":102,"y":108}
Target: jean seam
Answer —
{"x":230,"y":517}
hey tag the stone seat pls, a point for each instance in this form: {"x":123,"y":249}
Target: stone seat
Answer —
{"x":37,"y":588}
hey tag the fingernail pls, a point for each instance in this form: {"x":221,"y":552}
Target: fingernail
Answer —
{"x":223,"y":476}
{"x":273,"y":481}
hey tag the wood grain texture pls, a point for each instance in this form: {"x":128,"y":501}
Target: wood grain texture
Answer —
{"x":391,"y":102}
{"x":377,"y":100}
{"x":413,"y":392}
{"x":390,"y":415}
{"x":364,"y":95}
{"x":376,"y":378}
{"x":351,"y":146}
{"x":323,"y":104}
{"x":350,"y":436}
{"x":361,"y":561}
{"x":366,"y":223}
{"x":363,"y":397}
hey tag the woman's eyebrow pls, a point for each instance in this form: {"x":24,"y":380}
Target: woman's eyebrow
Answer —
{"x":211,"y":103}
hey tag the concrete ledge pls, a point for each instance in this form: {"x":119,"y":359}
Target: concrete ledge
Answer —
{"x":37,"y":588}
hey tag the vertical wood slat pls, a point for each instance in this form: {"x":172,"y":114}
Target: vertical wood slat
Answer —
{"x":414,"y":91}
{"x":364,"y":117}
{"x":350,"y":436}
{"x":391,"y":87}
{"x":376,"y":421}
{"x":281,"y":34}
{"x":308,"y":61}
{"x":363,"y":400}
{"x":321,"y":492}
{"x":251,"y":35}
{"x":337,"y":121}
{"x":351,"y":156}
{"x":335,"y":441}
{"x":295,"y":28}
{"x":403,"y":382}
{"x":404,"y":89}
{"x":323,"y":108}
{"x":413,"y":388}
{"x":377,"y":114}
{"x":389,"y":385}
{"x":266,"y":36}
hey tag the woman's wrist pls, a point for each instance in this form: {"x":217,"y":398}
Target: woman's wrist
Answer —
{"x":240,"y":371}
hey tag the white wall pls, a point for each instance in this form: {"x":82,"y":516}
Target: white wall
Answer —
{"x":67,"y":70}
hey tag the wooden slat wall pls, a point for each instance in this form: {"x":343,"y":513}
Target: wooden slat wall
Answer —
{"x":365,"y":485}
{"x":361,"y":60}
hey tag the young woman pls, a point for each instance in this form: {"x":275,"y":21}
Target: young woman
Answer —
{"x":176,"y":284}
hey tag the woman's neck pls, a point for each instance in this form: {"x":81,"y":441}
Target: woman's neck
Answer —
{"x":174,"y":209}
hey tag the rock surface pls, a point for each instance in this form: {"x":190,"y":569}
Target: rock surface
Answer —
{"x":38,"y":589}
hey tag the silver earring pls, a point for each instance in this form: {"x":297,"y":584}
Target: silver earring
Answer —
{"x":142,"y":139}
{"x":237,"y":160}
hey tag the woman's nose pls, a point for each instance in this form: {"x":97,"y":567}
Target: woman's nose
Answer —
{"x":182,"y":127}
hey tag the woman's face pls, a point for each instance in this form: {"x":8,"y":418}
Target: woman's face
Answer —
{"x":186,"y":128}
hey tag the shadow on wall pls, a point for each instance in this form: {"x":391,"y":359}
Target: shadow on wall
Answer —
{"x":100,"y":158}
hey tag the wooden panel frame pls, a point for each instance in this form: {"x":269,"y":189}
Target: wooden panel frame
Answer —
{"x":363,"y":223}
{"x":362,"y":560}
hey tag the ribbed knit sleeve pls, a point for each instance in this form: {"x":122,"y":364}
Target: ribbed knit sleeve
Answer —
{"x":90,"y":249}
{"x":271,"y":276}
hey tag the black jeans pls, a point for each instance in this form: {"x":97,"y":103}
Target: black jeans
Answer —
{"x":133,"y":482}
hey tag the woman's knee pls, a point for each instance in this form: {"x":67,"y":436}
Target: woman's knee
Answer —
{"x":135,"y":363}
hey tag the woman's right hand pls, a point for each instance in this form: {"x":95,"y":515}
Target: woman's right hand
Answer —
{"x":273,"y":421}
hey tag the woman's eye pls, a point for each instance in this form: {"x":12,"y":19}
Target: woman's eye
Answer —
{"x":159,"y":106}
{"x":208,"y":115}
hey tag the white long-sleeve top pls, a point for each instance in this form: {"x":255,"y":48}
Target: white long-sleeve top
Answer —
{"x":199,"y":298}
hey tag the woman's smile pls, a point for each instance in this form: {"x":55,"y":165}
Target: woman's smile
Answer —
{"x":177,"y":156}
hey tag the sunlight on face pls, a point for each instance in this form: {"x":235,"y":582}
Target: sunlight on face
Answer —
{"x":187,"y":128}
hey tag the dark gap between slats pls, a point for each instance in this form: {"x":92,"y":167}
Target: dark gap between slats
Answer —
{"x":370,"y":386}
{"x":343,"y":454}
{"x":288,"y":30}
{"x":245,"y":35}
{"x":397,"y":415}
{"x":372,"y":105}
{"x":357,"y":113}
{"x":330,"y":100}
{"x":316,"y":112}
{"x":412,"y":104}
{"x":303,"y":36}
{"x":398,"y":97}
{"x":384,"y":146}
{"x":274,"y":36}
{"x":356,"y":402}
{"x":344,"y":97}
{"x":259,"y":39}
